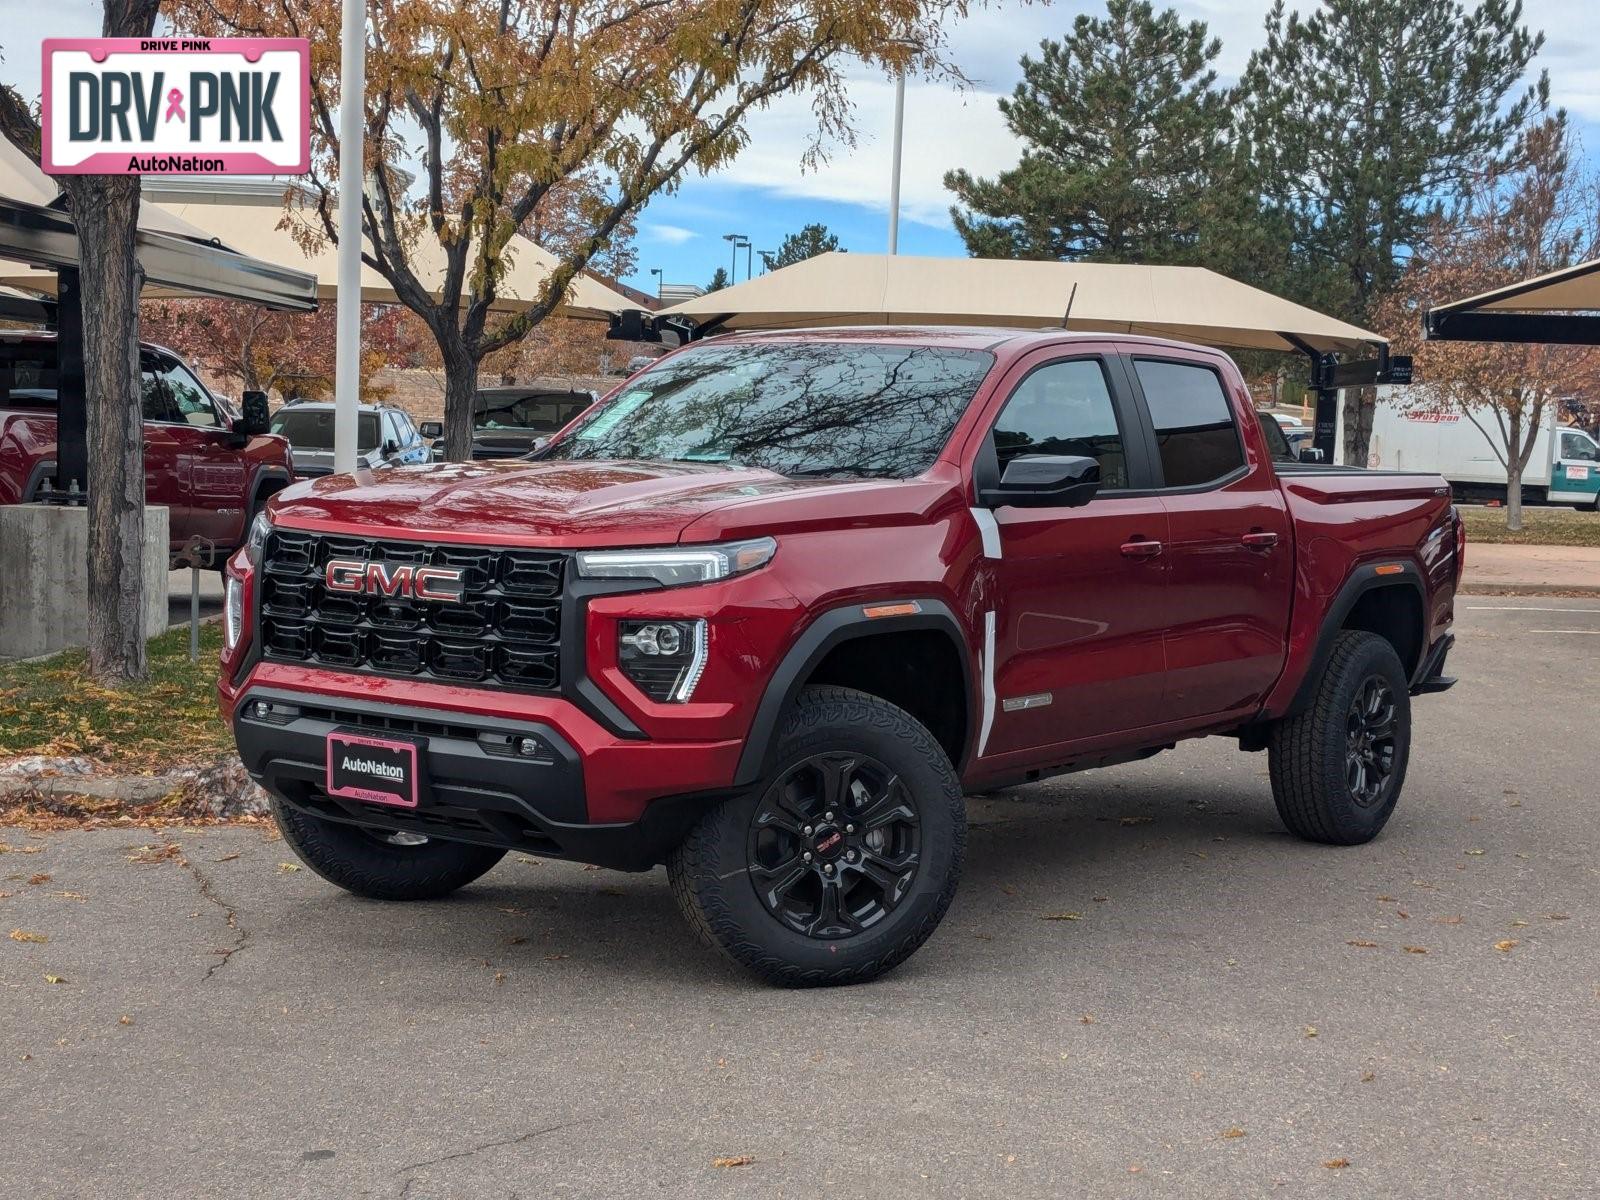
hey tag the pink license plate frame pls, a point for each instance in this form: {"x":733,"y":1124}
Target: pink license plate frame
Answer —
{"x":408,"y":797}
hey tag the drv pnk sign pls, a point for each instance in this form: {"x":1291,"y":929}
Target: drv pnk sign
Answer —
{"x":198,"y":106}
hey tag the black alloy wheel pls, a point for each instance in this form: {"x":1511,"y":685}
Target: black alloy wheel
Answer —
{"x":834,"y":845}
{"x":1370,"y":727}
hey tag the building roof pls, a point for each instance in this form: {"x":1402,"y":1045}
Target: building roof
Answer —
{"x":1187,"y":303}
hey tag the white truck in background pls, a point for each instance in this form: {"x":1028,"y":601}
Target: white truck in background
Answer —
{"x":1563,"y":469}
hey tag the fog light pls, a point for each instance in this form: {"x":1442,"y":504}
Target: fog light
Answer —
{"x":664,"y":658}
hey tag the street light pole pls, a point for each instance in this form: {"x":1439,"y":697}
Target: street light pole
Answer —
{"x":749,"y":259}
{"x":347,"y":317}
{"x":894,"y":176}
{"x":735,"y":240}
{"x":656,"y":271}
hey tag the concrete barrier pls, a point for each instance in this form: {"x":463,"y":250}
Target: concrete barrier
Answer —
{"x":44,"y":573}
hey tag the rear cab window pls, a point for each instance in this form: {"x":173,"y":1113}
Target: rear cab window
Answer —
{"x":1197,"y":439}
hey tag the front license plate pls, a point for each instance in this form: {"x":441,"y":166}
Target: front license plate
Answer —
{"x":379,"y":770}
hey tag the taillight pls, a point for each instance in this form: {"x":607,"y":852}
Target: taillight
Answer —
{"x":1461,"y":542}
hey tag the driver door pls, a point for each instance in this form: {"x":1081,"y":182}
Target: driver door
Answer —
{"x":1081,"y":592}
{"x":212,"y":465}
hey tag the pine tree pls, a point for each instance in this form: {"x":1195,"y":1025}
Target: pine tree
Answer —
{"x":812,"y":240}
{"x":1369,"y":117}
{"x":718,"y":281}
{"x":1125,"y":131}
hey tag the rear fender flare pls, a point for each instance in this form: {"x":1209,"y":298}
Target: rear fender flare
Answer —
{"x":832,"y":629}
{"x":1362,"y":580}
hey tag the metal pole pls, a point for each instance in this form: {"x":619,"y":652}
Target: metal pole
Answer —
{"x":194,"y":611}
{"x":733,"y":272}
{"x":894,"y":177}
{"x":347,"y":330}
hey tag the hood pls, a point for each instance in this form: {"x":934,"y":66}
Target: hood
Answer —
{"x":558,"y":503}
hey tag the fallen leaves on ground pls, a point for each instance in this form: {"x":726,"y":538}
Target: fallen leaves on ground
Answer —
{"x":1506,"y":945}
{"x":1475,"y":853}
{"x":1311,"y":1031}
{"x":124,"y":1020}
{"x":288,"y":868}
{"x":1233,"y":1132}
{"x":227,"y":857}
{"x":23,"y":935}
{"x":733,"y":1160}
{"x":38,"y":878}
{"x":1135,"y":820}
{"x":1062,"y":916}
{"x":1337,"y":1164}
{"x":1086,"y":1019}
{"x":55,"y":978}
{"x":1362,"y":943}
{"x":159,"y":853}
{"x":1415,"y":949}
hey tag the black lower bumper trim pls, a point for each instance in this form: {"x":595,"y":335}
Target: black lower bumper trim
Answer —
{"x":517,"y":785}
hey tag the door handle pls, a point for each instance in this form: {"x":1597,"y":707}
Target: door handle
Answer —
{"x":1140,"y":548}
{"x":1260,"y":540}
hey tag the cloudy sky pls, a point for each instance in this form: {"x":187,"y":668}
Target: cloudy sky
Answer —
{"x":765,"y":194}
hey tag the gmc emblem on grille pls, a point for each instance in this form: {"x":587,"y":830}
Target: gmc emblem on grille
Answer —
{"x":353,"y":577}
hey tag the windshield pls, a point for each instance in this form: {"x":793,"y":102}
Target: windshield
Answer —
{"x":312,"y":429}
{"x":797,"y":408}
{"x":1277,"y":443}
{"x":542,"y":412}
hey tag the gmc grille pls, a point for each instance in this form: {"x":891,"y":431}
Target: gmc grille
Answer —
{"x":505,"y":630}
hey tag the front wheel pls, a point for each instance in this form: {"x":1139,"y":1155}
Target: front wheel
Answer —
{"x":378,"y":863}
{"x":842,"y":862}
{"x":1337,"y":768}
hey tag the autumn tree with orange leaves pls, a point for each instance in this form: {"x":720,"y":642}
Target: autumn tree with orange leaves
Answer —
{"x":1519,"y":223}
{"x":477,"y":109}
{"x":266,"y":351}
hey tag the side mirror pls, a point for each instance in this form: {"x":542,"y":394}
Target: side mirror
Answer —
{"x":431,"y":429}
{"x":391,"y":447}
{"x":1045,"y":481}
{"x":1310,"y":454}
{"x":256,"y":419}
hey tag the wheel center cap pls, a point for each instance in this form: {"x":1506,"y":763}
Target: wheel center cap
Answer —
{"x":828,"y":843}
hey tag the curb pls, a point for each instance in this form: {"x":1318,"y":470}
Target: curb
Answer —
{"x":221,"y":788}
{"x":1486,"y":588}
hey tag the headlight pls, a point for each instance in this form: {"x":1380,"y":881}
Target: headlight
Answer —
{"x":233,"y":612}
{"x":672,"y":568}
{"x":256,"y":542}
{"x":664,"y":658}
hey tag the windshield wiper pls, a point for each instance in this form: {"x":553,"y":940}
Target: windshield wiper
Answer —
{"x":835,"y":469}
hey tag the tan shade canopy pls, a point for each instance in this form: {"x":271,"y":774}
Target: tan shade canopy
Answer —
{"x":179,"y":259}
{"x":1188,"y":303}
{"x":249,"y":216}
{"x":1571,"y":289}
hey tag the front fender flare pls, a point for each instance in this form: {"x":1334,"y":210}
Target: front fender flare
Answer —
{"x":833,"y":628}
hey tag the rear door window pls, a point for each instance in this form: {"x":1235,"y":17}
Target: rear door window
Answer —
{"x":1196,"y":437}
{"x":1064,"y":408}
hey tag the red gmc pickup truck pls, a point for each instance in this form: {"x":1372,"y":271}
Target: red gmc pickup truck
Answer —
{"x":771,"y":608}
{"x":212,"y":472}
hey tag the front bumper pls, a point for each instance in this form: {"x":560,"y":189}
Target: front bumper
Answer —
{"x":483,"y":783}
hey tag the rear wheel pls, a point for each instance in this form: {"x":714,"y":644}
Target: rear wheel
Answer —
{"x":843,"y":861}
{"x":1337,"y":768}
{"x":379,"y":863}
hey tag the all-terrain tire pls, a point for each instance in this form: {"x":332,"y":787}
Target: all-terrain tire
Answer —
{"x":355,"y":860}
{"x":1309,"y":756}
{"x":713,"y":872}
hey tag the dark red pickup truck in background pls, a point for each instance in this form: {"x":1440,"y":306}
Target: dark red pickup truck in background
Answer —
{"x":766,"y":612}
{"x":212,"y":472}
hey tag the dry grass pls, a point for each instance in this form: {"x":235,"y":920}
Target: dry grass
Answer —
{"x":52,"y":707}
{"x":1540,"y":527}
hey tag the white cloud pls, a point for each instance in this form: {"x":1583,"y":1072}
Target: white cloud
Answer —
{"x":672,"y":235}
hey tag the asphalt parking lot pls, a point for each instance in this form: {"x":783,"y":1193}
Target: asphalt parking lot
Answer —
{"x":1145,"y":988}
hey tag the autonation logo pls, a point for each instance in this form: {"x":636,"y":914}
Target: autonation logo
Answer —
{"x":370,"y":766}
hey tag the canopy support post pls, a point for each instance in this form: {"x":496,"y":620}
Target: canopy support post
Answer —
{"x":72,"y":406}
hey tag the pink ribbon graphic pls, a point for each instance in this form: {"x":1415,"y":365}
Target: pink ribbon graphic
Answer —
{"x":175,"y":105}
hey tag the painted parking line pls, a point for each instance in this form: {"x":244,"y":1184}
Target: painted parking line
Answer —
{"x":1564,"y":631}
{"x":1523,"y":608}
